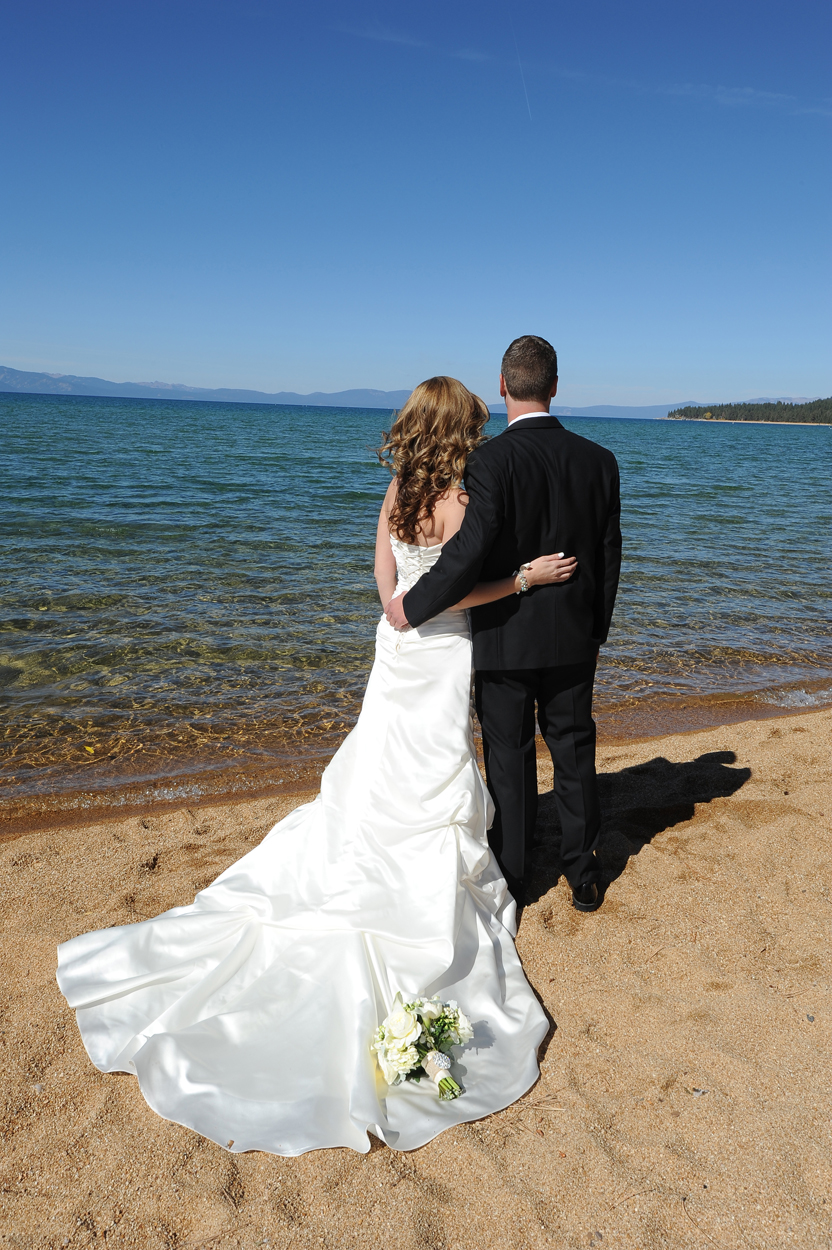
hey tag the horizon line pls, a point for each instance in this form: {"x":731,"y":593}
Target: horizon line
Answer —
{"x":20,"y":381}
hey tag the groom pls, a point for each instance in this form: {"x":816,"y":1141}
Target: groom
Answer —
{"x":534,"y":490}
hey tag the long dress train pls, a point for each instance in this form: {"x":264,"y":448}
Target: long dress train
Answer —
{"x":248,"y":1015}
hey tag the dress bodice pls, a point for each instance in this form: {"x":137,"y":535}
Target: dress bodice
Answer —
{"x":412,"y":561}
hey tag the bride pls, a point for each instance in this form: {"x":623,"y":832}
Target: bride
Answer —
{"x":249,"y":1014}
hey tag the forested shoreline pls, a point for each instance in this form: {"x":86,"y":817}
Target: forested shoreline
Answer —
{"x":817,"y":412}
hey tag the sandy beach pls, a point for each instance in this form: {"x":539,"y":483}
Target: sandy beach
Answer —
{"x":684,"y":1099}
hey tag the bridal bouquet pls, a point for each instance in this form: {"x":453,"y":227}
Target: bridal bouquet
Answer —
{"x":415,"y":1039}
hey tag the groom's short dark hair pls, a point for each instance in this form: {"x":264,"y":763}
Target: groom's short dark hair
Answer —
{"x":530,"y":368}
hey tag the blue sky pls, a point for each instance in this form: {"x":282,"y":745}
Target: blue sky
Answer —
{"x":329,"y":195}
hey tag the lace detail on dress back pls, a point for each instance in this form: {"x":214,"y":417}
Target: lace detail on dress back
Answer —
{"x":412,"y":561}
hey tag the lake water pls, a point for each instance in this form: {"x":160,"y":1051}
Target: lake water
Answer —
{"x":187,"y":605}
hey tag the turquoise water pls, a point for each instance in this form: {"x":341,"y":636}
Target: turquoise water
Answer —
{"x":187,"y":602}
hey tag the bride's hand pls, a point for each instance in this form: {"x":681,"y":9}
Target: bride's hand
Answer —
{"x":550,"y":570}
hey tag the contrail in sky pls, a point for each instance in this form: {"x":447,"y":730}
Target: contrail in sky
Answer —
{"x":520,"y":64}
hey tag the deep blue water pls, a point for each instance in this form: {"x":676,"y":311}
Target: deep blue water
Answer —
{"x":193,"y":582}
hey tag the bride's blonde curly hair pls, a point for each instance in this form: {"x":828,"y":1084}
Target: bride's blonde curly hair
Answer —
{"x":427,"y":447}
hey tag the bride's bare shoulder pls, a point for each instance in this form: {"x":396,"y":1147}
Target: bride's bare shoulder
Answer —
{"x":450,"y":509}
{"x":454,"y":503}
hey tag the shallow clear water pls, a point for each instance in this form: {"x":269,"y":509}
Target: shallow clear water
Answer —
{"x":186,"y":589}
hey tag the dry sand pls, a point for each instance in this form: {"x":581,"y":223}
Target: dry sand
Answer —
{"x":684,"y":1098}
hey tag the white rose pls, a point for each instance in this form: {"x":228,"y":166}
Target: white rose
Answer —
{"x":430,"y":1009}
{"x":402,"y":1025}
{"x":464,"y":1027}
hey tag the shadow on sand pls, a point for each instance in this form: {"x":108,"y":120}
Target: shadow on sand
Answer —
{"x":636,"y":804}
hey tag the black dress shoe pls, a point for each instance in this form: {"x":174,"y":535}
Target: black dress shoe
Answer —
{"x":586,"y":897}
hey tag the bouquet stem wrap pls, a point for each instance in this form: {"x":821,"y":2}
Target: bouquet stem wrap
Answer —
{"x":437,"y":1067}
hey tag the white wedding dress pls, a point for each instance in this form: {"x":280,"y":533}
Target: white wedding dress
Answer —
{"x":249,"y":1014}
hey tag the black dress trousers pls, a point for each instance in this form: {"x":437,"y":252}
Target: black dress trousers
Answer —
{"x":506,"y":709}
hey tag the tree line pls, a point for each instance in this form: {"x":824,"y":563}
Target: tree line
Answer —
{"x":817,"y":412}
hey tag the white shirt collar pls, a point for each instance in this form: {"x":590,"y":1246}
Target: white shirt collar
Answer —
{"x":527,"y":415}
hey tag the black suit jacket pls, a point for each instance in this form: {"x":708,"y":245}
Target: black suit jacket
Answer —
{"x":535,"y":490}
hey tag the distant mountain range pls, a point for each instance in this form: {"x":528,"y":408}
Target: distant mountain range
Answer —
{"x":21,"y":382}
{"x":68,"y":384}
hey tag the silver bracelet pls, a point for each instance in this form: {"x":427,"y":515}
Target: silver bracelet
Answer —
{"x":521,"y":573}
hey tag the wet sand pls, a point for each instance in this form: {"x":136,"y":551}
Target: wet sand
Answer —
{"x":684,"y":1099}
{"x":104,"y":787}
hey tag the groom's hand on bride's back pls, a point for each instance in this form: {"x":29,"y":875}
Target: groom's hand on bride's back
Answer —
{"x":395,"y":613}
